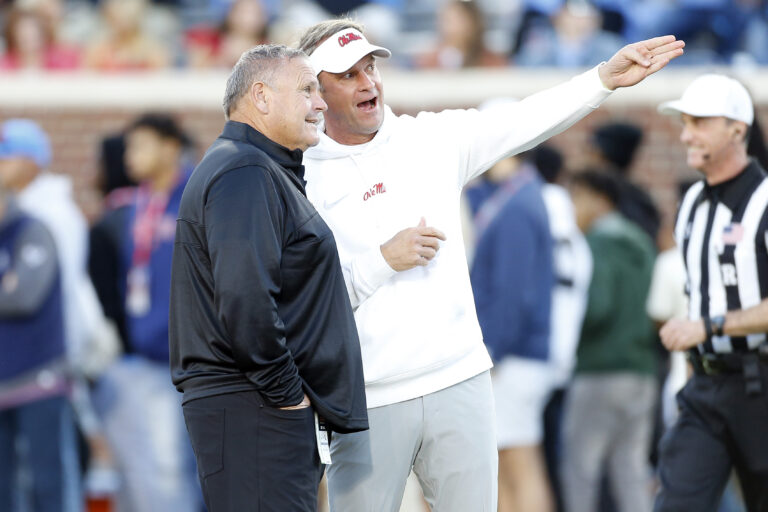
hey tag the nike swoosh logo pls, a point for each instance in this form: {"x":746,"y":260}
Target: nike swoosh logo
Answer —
{"x":330,"y":203}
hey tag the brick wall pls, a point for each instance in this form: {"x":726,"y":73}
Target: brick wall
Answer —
{"x":76,"y":132}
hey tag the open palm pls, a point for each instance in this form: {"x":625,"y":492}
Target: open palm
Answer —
{"x":636,"y":61}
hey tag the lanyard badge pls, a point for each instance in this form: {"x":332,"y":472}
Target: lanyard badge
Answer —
{"x":138,"y":300}
{"x":321,"y":432}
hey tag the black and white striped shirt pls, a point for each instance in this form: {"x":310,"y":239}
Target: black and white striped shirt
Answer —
{"x":723,"y":233}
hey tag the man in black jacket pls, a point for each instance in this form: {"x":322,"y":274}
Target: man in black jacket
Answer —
{"x":262,"y":333}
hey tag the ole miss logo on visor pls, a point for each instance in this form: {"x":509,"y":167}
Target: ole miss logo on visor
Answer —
{"x":348,"y":38}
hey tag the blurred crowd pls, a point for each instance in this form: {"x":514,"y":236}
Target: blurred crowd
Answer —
{"x":130,"y":35}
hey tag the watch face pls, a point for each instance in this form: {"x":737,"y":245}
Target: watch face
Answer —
{"x":717,"y":325}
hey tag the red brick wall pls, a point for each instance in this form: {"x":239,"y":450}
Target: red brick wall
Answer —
{"x":76,"y":136}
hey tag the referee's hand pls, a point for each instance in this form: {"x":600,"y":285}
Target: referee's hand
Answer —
{"x":681,"y":334}
{"x":412,"y":247}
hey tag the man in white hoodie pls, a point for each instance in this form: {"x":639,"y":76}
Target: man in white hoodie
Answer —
{"x":373,"y":174}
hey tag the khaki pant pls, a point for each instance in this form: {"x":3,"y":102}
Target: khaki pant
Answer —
{"x":448,"y":438}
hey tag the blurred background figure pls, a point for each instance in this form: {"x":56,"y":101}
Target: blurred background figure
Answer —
{"x":125,"y":45}
{"x":131,"y":253}
{"x":571,"y":36}
{"x":610,"y":406}
{"x":512,"y":280}
{"x":38,"y":444}
{"x":613,"y":146}
{"x":666,"y":300}
{"x":31,"y":43}
{"x":90,"y":340}
{"x":573,"y":272}
{"x":244,"y":27}
{"x":714,"y":27}
{"x":460,"y":39}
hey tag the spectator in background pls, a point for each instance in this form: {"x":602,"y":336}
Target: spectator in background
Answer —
{"x":37,"y":427}
{"x":613,"y":146}
{"x":756,"y":145}
{"x":244,"y":27}
{"x":125,"y":46}
{"x":667,"y":300}
{"x":460,"y":39}
{"x":30,"y":43}
{"x":512,"y":281}
{"x":610,"y":406}
{"x":26,"y":156}
{"x":141,"y":409}
{"x":573,"y":272}
{"x":571,"y":37}
{"x":715,"y":28}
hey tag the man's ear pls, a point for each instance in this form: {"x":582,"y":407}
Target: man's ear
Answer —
{"x":260,"y":96}
{"x":739,"y":129}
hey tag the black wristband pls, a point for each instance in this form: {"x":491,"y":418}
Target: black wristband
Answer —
{"x":717,"y":323}
{"x":707,"y":327}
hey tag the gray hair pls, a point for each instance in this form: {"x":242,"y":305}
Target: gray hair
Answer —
{"x":318,"y":33}
{"x":258,"y":64}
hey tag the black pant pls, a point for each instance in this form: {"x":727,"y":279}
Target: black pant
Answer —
{"x":720,"y":427}
{"x":251,"y":457}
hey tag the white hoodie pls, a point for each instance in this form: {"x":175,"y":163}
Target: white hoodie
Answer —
{"x":418,"y":328}
{"x":49,"y":199}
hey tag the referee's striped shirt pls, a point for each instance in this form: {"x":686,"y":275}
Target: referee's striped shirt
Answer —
{"x":723,"y":233}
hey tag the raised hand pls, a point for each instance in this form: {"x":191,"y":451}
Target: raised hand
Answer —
{"x":634,"y":62}
{"x":412,"y":247}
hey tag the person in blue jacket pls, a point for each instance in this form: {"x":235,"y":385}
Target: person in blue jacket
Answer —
{"x":140,"y":407}
{"x":512,"y":279}
{"x":37,"y":426}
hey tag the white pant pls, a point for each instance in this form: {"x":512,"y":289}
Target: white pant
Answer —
{"x":521,"y":387}
{"x":448,"y":438}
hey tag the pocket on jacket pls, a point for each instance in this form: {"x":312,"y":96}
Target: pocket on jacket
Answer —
{"x":206,"y":432}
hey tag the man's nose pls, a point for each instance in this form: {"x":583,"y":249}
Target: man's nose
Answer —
{"x":685,"y":135}
{"x":318,"y":103}
{"x":364,"y":82}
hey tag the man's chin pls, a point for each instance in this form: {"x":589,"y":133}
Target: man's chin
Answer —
{"x":371,"y":123}
{"x":696,"y":162}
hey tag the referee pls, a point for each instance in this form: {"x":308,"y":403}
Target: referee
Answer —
{"x":722,"y":230}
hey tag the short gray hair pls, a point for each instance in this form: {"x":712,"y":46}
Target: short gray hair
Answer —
{"x":258,"y":64}
{"x":318,"y":33}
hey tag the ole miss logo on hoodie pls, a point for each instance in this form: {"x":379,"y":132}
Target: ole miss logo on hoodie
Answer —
{"x":377,"y":189}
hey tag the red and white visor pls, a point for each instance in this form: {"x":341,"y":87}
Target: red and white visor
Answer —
{"x":342,"y":50}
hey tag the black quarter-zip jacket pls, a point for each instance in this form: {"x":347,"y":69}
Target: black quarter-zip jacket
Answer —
{"x":258,"y":299}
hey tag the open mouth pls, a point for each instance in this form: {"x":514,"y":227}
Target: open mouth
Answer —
{"x":368,"y":105}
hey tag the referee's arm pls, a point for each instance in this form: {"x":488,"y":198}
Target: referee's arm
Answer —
{"x":682,"y":334}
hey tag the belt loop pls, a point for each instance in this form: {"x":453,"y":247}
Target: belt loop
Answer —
{"x":751,"y":369}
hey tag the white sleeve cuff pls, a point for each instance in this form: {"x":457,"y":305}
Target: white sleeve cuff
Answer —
{"x":373,"y":270}
{"x":591,"y":79}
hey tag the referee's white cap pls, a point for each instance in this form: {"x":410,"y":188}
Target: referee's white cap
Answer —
{"x":342,"y":50}
{"x":713,"y":95}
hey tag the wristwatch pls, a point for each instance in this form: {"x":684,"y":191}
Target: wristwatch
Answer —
{"x":718,"y":322}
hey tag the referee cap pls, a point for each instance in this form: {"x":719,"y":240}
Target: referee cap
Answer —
{"x":342,"y":50}
{"x":713,"y":95}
